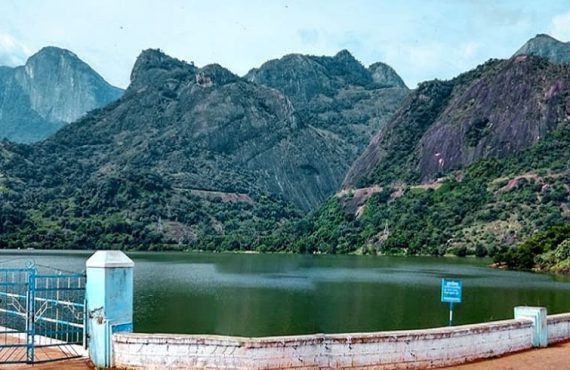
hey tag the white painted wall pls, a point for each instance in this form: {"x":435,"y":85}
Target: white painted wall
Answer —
{"x":558,"y":328}
{"x":383,"y":350}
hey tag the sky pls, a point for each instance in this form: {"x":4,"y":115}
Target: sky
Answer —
{"x":420,"y":39}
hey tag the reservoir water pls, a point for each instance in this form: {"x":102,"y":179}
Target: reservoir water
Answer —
{"x":275,"y":294}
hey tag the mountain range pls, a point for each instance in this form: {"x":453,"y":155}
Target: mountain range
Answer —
{"x":473,"y":165}
{"x":201,"y":158}
{"x":201,"y":143}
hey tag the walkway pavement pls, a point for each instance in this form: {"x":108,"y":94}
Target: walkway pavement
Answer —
{"x":554,"y":357}
{"x":74,"y":364}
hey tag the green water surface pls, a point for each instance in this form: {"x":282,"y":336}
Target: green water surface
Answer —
{"x":260,"y":295}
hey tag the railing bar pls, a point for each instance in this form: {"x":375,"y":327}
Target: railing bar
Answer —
{"x":23,"y":314}
{"x":57,"y":310}
{"x":63,"y":276}
{"x":47,"y":319}
{"x":63,"y":289}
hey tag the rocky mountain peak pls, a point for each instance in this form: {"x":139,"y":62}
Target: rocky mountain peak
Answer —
{"x":52,"y":53}
{"x":548,"y":47}
{"x":347,"y":67}
{"x":305,"y":77}
{"x":543,"y":37}
{"x":215,"y":74}
{"x":345,"y":55}
{"x":53,"y":62}
{"x":150,"y":61}
{"x":53,"y":88}
{"x":384,"y":75}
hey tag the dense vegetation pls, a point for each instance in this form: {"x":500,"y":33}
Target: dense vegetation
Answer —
{"x":493,"y":111}
{"x":137,"y":210}
{"x":547,"y":250}
{"x":492,"y":204}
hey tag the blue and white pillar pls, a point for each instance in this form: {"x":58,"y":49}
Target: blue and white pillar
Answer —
{"x":109,"y":296}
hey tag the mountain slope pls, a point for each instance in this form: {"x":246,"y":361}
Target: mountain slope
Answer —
{"x":493,"y":111}
{"x":491,"y":205}
{"x":208,"y":129}
{"x":53,"y":88}
{"x":547,"y":47}
{"x":473,"y":165}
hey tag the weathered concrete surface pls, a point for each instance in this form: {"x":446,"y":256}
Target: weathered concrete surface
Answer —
{"x":414,"y":349}
{"x":558,"y":328}
{"x":540,"y":326}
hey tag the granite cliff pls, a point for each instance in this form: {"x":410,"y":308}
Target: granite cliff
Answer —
{"x":53,"y":88}
{"x":337,"y":94}
{"x":498,"y":109}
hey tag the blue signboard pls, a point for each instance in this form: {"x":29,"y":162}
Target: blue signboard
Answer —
{"x":451,"y":290}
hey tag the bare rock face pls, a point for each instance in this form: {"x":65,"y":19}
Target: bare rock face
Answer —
{"x":493,"y":111}
{"x":511,"y":109}
{"x":384,"y":75}
{"x":54,"y":88}
{"x":337,"y":95}
{"x":547,"y":47}
{"x":304,"y":77}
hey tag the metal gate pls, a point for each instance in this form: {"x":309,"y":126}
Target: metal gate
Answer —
{"x":42,"y":315}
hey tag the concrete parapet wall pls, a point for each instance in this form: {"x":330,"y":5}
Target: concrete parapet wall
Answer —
{"x":412,"y":349}
{"x":558,"y":327}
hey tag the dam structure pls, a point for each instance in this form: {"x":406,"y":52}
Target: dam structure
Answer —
{"x":111,"y":340}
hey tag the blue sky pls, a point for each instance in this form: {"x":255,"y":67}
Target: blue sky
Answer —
{"x":421,"y":39}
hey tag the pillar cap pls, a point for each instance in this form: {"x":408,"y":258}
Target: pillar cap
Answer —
{"x":105,"y":259}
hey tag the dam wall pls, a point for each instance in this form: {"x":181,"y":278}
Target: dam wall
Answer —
{"x":407,"y":349}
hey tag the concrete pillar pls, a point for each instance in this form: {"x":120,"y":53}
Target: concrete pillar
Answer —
{"x":540,"y":327}
{"x":109,"y":296}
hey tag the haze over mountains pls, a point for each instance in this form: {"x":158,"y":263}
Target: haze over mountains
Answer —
{"x":52,"y":89}
{"x":195,"y":157}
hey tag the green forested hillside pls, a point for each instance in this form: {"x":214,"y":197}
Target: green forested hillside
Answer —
{"x":136,"y":209}
{"x":497,"y":109}
{"x":492,"y":204}
{"x":548,"y":250}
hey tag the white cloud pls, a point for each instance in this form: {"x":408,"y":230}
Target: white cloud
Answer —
{"x":12,"y":51}
{"x":560,"y":27}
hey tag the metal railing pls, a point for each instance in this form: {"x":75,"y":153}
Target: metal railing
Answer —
{"x":42,"y":314}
